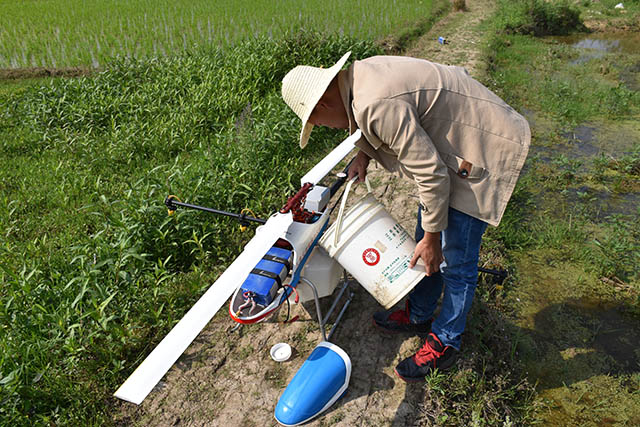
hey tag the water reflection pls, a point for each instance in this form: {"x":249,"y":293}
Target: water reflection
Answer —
{"x":598,"y":44}
{"x":594,"y":46}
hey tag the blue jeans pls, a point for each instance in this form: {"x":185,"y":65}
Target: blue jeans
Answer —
{"x":458,"y":275}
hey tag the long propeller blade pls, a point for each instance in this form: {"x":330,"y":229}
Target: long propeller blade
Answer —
{"x":153,"y":368}
{"x":325,"y":165}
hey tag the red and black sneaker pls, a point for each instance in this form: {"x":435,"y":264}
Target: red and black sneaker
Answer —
{"x":432,"y":355}
{"x":398,"y":321}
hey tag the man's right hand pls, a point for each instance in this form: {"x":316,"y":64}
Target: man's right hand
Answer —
{"x":359,"y":166}
{"x":430,"y":250}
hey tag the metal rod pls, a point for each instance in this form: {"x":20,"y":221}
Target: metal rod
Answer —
{"x":172,"y":203}
{"x":315,"y":297}
{"x":344,"y":308}
{"x":501,"y":273}
{"x":335,"y":301}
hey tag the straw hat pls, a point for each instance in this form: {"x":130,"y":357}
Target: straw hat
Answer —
{"x":303,"y":87}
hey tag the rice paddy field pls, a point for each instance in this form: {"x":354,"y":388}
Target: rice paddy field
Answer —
{"x":187,"y":102}
{"x":59,"y":33}
{"x":184,"y":98}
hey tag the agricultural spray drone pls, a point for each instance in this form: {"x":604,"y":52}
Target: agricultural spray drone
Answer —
{"x":284,"y":253}
{"x":261,"y":279}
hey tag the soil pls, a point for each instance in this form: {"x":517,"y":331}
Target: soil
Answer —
{"x":38,"y":72}
{"x":228,"y":378}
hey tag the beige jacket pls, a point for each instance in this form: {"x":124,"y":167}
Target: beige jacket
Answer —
{"x":462,"y":145}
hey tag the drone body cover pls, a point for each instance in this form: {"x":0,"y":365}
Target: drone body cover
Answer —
{"x":321,"y":380}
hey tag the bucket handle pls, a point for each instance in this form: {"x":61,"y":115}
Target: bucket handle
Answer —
{"x":336,"y":235}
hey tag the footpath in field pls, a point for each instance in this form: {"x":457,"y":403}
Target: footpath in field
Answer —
{"x":228,"y":378}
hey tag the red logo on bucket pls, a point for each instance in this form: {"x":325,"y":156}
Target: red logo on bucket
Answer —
{"x":371,"y":256}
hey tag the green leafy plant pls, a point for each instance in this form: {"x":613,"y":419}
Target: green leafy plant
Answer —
{"x":538,"y":17}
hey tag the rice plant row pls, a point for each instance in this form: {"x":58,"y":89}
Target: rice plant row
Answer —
{"x":59,"y":33}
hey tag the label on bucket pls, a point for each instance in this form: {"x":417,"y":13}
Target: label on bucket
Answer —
{"x":371,"y":256}
{"x":396,"y":268}
{"x":398,"y":234}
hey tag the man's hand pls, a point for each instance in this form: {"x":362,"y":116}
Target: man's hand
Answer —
{"x":359,"y":166}
{"x":430,"y":250}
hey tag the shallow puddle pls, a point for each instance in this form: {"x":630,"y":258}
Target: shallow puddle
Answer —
{"x":597,"y":45}
{"x":611,"y":138}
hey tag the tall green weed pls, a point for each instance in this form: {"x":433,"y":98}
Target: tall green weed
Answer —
{"x":538,"y":17}
{"x":93,"y":271}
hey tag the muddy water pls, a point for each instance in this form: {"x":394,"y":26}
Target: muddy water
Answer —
{"x":598,"y":44}
{"x":608,"y":139}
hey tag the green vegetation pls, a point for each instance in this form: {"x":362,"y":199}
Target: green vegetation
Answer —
{"x":537,"y":17}
{"x":94,"y":272}
{"x":92,"y":32}
{"x":571,"y":232}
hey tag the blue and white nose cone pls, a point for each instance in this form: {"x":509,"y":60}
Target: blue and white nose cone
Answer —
{"x":321,"y":380}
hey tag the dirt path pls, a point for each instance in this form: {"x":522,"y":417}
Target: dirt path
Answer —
{"x":228,"y":379}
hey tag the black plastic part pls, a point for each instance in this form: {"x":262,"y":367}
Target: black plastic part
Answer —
{"x":341,"y":179}
{"x":500,"y":274}
{"x":269,"y":274}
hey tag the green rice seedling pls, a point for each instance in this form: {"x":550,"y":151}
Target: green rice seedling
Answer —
{"x":92,"y":33}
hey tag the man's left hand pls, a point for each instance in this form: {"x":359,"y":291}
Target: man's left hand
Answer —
{"x":430,"y":250}
{"x":359,"y":166}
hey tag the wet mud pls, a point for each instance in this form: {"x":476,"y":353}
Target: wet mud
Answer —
{"x":579,"y":342}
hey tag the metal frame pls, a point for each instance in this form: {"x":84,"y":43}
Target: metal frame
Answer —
{"x":322,"y":321}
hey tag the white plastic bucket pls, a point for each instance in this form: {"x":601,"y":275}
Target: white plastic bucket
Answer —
{"x":373,"y":248}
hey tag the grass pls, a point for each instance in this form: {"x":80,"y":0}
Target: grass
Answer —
{"x":94,"y":272}
{"x":569,"y":236}
{"x":567,"y":96}
{"x":537,"y":17}
{"x":92,"y":33}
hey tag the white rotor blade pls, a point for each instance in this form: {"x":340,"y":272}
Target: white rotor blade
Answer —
{"x":153,"y":368}
{"x":333,"y":158}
